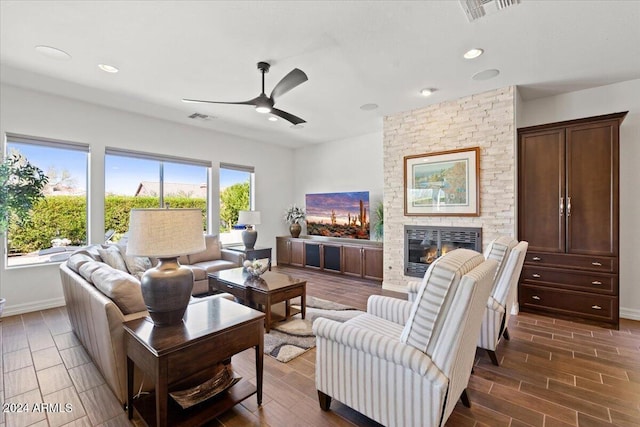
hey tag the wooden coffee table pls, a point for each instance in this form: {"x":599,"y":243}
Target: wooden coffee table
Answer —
{"x":262,"y":292}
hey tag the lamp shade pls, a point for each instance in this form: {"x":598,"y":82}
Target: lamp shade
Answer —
{"x":248,"y":217}
{"x":165,"y":232}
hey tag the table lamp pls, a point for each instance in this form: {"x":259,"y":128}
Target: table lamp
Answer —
{"x":166,"y":234}
{"x":249,"y":219}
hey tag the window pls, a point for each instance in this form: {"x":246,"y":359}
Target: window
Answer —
{"x":236,"y":194}
{"x":57,"y":223}
{"x":141,"y":180}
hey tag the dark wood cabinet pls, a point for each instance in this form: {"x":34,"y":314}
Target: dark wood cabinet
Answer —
{"x":372,"y":262}
{"x":568,"y":203}
{"x":362,"y":259}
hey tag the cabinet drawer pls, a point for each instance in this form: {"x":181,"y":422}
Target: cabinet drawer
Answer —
{"x":580,"y":262}
{"x":236,"y":291}
{"x":577,"y":280}
{"x":568,"y":303}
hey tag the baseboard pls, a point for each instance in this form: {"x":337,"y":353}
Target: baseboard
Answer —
{"x":629,"y":313}
{"x":12,"y":310}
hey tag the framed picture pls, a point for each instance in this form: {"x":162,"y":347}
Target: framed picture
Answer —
{"x":443,"y":183}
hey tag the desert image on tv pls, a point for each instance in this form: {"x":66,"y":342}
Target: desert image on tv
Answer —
{"x":338,"y":214}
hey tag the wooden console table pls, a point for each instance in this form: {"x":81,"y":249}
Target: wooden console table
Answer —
{"x":359,"y":258}
{"x":182,"y":356}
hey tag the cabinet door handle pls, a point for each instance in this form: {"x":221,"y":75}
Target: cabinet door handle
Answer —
{"x":596,"y":307}
{"x":597,"y":264}
{"x":561,"y":206}
{"x":596,"y":282}
{"x":568,"y":206}
{"x":536,"y":275}
{"x":536,"y":258}
{"x":536,"y":297}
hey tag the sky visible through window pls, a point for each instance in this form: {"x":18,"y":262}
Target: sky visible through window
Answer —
{"x":122,"y":174}
{"x":61,"y":160}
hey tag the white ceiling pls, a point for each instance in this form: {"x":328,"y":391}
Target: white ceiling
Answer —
{"x":354,"y":52}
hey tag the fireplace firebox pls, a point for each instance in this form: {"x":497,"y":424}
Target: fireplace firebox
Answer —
{"x":424,"y":244}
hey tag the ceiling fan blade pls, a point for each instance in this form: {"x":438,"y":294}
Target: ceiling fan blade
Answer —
{"x":288,"y":82}
{"x":197,"y":101}
{"x":290,"y":117}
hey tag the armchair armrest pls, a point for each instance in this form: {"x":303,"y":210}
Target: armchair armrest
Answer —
{"x":236,"y":257}
{"x":494,"y":305}
{"x":391,"y":309}
{"x":378,"y":346}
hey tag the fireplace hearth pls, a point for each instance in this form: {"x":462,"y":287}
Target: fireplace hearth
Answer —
{"x":424,"y":244}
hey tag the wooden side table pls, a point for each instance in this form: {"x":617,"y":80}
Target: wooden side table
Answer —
{"x":182,"y":356}
{"x":254,"y":253}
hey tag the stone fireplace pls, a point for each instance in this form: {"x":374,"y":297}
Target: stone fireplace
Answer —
{"x":485,"y":120}
{"x":424,"y":244}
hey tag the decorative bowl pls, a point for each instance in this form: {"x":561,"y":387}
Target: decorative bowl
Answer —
{"x":255,"y":268}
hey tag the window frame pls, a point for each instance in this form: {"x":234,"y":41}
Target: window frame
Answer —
{"x":16,"y":138}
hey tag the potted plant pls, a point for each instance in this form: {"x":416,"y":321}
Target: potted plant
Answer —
{"x":378,"y":226}
{"x":293,"y":216}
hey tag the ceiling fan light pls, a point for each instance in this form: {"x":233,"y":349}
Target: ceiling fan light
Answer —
{"x":263,"y":109}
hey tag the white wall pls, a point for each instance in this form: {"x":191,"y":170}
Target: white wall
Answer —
{"x":351,"y":164}
{"x":593,"y":102}
{"x":33,"y":113}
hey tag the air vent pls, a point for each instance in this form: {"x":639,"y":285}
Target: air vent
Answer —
{"x":476,"y":9}
{"x":198,"y":116}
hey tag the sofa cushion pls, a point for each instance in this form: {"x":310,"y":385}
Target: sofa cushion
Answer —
{"x":136,"y":265}
{"x":87,"y":269}
{"x":111,"y":255}
{"x":77,"y":259}
{"x":122,"y":288}
{"x":212,"y":251}
{"x":215,"y":265}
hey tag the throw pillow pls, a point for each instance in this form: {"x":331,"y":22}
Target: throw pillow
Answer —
{"x":136,"y":265}
{"x":122,"y":288}
{"x":87,"y":269}
{"x":76,"y":261}
{"x":111,"y":256}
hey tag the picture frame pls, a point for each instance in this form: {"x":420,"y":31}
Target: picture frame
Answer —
{"x":445,"y":183}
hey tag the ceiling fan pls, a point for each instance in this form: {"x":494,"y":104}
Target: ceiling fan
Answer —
{"x":263,"y":103}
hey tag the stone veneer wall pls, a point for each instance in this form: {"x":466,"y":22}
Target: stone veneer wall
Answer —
{"x":485,"y":120}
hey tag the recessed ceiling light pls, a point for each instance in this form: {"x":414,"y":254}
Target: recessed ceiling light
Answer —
{"x":53,"y":53}
{"x":473,"y":53}
{"x":368,"y":107}
{"x":427,"y":91}
{"x":298,"y":126}
{"x":273,"y":119}
{"x":486,"y":74}
{"x":108,"y":68}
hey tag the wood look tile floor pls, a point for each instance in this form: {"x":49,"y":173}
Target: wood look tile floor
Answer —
{"x":552,"y":373}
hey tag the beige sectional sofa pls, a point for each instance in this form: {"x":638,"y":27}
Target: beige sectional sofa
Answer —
{"x":100,"y":297}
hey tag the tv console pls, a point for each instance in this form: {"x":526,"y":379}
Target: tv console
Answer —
{"x":359,"y":258}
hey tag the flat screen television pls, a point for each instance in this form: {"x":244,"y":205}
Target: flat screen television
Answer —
{"x":338,"y":214}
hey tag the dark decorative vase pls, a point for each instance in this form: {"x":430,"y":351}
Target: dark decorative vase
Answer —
{"x":295,"y":229}
{"x":166,"y":290}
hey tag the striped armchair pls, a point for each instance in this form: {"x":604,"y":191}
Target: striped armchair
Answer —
{"x":403,"y":363}
{"x":500,"y":303}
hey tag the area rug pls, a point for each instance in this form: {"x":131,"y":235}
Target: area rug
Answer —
{"x":289,"y":339}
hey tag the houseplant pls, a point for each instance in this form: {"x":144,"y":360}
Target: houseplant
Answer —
{"x":378,"y":226}
{"x":293,"y":216}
